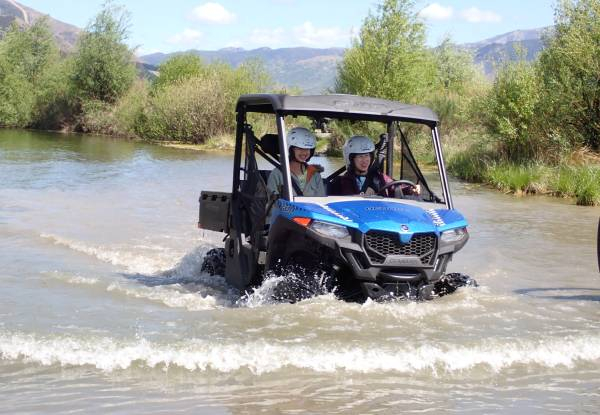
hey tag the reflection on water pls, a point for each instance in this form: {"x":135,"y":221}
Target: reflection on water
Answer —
{"x":103,"y":304}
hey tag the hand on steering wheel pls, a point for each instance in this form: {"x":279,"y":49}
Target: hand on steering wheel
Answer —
{"x":398,"y":191}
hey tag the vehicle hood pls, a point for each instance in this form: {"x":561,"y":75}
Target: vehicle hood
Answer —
{"x":380,"y":214}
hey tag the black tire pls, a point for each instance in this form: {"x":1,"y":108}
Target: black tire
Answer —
{"x":299,"y":283}
{"x":214,"y":262}
{"x":452,"y":282}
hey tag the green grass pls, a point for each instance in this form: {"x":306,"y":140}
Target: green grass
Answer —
{"x":478,"y":163}
{"x":579,"y":182}
{"x":518,"y":179}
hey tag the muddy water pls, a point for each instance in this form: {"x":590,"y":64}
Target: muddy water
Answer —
{"x":103,"y":307}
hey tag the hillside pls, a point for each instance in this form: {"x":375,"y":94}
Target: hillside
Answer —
{"x":312,"y":70}
{"x":64,"y":33}
{"x":490,"y":53}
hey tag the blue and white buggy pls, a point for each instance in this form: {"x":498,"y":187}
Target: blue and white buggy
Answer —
{"x":357,"y":246}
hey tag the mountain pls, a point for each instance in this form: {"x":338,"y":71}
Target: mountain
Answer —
{"x":490,"y":53}
{"x":64,"y":33}
{"x":312,"y":70}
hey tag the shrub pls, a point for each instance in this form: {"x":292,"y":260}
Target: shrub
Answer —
{"x":190,"y":111}
{"x":194,"y":109}
{"x":179,"y":68}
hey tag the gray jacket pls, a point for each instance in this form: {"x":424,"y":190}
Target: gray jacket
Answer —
{"x":314,"y":184}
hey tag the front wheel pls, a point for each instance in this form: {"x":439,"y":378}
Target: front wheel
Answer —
{"x":296,"y":283}
{"x":214,"y":262}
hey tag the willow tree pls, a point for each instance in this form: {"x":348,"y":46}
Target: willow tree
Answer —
{"x":389,"y":58}
{"x":103,"y":68}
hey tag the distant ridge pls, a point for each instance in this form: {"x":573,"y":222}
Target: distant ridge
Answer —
{"x":491,"y":53}
{"x":510,"y":37}
{"x":312,"y":70}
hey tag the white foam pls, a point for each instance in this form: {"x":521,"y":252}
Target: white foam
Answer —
{"x":262,"y":356}
{"x":73,"y":279}
{"x":133,"y":261}
{"x":170,"y":296}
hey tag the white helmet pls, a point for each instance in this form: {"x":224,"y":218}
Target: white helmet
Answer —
{"x":302,"y":138}
{"x":358,"y":144}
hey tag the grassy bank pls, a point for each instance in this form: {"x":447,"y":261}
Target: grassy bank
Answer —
{"x":576,"y":177}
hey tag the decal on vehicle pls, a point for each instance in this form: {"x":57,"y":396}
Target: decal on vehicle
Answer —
{"x":437,"y":219}
{"x":287,"y":208}
{"x":335,"y":213}
{"x":388,"y":208}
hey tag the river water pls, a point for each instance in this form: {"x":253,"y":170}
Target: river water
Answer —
{"x":103,"y":307}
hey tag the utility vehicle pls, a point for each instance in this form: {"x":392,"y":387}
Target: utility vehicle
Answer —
{"x":358,"y":246}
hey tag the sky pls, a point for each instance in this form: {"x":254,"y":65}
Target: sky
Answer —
{"x":178,"y":25}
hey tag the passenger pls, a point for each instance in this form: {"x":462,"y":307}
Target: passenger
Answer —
{"x":307,"y":177}
{"x":360,"y":178}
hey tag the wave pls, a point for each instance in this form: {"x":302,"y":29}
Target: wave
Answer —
{"x":263,"y":356}
{"x":197,"y":298}
{"x":123,"y":256}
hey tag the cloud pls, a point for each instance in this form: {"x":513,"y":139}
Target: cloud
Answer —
{"x":436,"y":11}
{"x":187,"y":37}
{"x":475,"y":15}
{"x":309,"y":35}
{"x":267,"y":37}
{"x":304,"y":35}
{"x":213,"y":13}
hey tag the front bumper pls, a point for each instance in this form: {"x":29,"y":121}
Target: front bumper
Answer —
{"x":377,"y":260}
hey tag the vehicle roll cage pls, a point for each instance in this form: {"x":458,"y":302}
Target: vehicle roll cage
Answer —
{"x":343,"y":107}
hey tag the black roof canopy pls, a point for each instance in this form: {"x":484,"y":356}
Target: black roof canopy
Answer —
{"x":350,"y":107}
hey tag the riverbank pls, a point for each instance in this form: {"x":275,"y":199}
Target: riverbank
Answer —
{"x":575,"y":176}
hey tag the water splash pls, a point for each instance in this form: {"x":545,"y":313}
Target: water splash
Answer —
{"x":293,"y":285}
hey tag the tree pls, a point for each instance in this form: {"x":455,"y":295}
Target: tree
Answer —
{"x":570,"y":73}
{"x":454,"y":67}
{"x":103,"y":67}
{"x":26,"y":56}
{"x":31,"y":50}
{"x":389,"y":58}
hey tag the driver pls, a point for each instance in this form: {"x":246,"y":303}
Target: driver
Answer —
{"x":306,"y":177}
{"x":359,"y":153}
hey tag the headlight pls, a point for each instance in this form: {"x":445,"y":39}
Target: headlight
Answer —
{"x":329,"y":229}
{"x":454,"y":235}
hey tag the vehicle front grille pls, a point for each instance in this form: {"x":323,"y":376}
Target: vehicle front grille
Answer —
{"x":381,"y":244}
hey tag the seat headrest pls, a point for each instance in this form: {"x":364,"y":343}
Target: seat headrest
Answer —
{"x":270,"y":145}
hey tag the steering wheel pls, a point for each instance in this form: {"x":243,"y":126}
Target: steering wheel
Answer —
{"x":398,"y":191}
